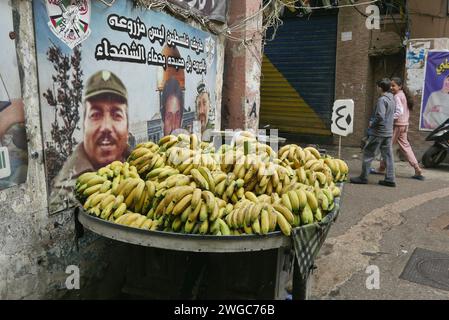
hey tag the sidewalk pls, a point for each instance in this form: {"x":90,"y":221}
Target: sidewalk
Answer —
{"x":381,"y":227}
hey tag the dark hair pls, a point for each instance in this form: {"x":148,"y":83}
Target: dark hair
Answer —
{"x":171,"y":88}
{"x":408,"y":96}
{"x":384,"y":84}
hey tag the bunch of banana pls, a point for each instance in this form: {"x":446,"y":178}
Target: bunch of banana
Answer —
{"x":338,"y":167}
{"x":182,"y":185}
{"x":296,"y":156}
{"x":105,"y":205}
{"x":87,"y":184}
{"x":191,"y":210}
{"x":250,"y":217}
{"x":167,"y":142}
{"x":136,"y":220}
{"x":229,"y":188}
{"x":144,"y":159}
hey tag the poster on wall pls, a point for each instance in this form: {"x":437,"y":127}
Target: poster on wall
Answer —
{"x":138,"y":76}
{"x":415,"y":60}
{"x":13,"y":140}
{"x":212,"y":9}
{"x":435,"y":98}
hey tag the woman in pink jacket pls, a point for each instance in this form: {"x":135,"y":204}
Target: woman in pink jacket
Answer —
{"x":404,"y":104}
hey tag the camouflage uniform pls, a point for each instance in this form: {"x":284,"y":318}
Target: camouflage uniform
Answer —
{"x":62,"y":195}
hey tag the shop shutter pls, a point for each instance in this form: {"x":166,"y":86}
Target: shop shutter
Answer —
{"x":298,"y":70}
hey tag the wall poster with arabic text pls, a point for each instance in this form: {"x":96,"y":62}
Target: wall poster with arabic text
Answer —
{"x":112,"y":77}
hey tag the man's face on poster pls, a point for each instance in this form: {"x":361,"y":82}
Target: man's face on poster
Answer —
{"x":105,"y":129}
{"x":173,"y":114}
{"x":203,"y":106}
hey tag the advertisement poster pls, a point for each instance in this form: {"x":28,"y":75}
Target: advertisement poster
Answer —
{"x":137,"y":76}
{"x":212,"y":9}
{"x":435,"y":99}
{"x":415,"y":61}
{"x":13,"y":140}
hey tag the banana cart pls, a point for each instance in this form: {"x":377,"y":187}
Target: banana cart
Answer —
{"x":166,"y":265}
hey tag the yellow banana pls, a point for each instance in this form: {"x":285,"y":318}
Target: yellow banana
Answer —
{"x":251,"y":196}
{"x":199,"y":179}
{"x":294,"y":200}
{"x":95,"y":181}
{"x":220,"y":188}
{"x":272,"y":219}
{"x":85,"y":177}
{"x":286,"y":201}
{"x":120,"y":210}
{"x":302,"y":197}
{"x":138,"y":222}
{"x":285,"y":227}
{"x":286,"y":213}
{"x":182,"y":205}
{"x":306,"y":216}
{"x":205,"y":172}
{"x":256,"y":210}
{"x":92,"y":190}
{"x":193,"y":216}
{"x":230,"y":188}
{"x":204,"y":228}
{"x":88,"y":203}
{"x":332,"y":165}
{"x":106,"y":201}
{"x":203,"y":212}
{"x":126,"y":186}
{"x":314,"y":152}
{"x":311,"y":200}
{"x":196,"y":197}
{"x":224,"y":229}
{"x":321,"y":177}
{"x":264,"y":222}
{"x":147,"y":224}
{"x":317,"y":166}
{"x":107,"y":211}
{"x":336,"y":192}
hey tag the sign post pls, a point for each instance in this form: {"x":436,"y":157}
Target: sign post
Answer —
{"x":342,"y":119}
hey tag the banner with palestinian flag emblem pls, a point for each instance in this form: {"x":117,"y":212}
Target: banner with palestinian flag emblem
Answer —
{"x":69,"y":20}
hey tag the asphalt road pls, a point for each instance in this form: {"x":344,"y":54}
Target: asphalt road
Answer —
{"x":381,"y":227}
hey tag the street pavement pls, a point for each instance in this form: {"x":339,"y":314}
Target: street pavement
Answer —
{"x":381,"y":226}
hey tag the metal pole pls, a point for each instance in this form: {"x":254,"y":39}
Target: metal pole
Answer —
{"x":339,"y":147}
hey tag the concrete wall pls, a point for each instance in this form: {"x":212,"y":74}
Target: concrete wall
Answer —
{"x":429,"y":19}
{"x":352,"y":69}
{"x":36,"y":248}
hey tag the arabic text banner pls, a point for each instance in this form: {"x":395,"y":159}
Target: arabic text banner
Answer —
{"x":138,"y":75}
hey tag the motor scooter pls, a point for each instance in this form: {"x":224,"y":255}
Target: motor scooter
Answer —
{"x":438,"y":152}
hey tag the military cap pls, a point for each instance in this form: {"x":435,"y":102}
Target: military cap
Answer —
{"x":105,"y":82}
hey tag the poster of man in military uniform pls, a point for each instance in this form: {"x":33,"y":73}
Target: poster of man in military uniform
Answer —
{"x":105,"y":139}
{"x":133,"y":79}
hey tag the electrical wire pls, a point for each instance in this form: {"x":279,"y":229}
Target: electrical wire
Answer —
{"x":291,"y":5}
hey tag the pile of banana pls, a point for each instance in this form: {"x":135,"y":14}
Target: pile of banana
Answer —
{"x":183,"y":185}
